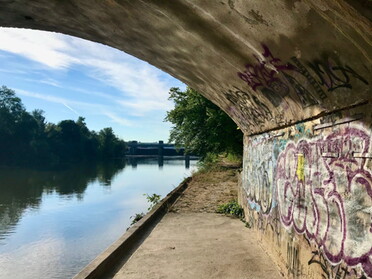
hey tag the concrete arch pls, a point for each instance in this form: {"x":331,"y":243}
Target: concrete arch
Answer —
{"x":295,"y":75}
{"x":267,"y":64}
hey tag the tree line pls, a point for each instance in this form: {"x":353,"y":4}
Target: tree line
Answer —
{"x":26,"y":138}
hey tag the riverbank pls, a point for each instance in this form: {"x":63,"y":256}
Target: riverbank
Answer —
{"x":192,"y":241}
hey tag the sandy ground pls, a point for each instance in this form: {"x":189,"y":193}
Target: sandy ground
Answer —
{"x":207,"y":190}
{"x":192,"y":241}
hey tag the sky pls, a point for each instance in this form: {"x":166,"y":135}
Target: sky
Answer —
{"x":68,"y":77}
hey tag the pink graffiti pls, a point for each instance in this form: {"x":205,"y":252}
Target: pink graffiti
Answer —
{"x":275,"y":78}
{"x":264,"y":72}
{"x":324,"y":192}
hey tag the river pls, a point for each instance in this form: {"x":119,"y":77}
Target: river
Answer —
{"x":53,"y":223}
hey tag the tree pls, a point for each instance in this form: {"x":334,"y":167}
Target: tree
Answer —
{"x":201,"y":126}
{"x":110,"y":145}
{"x":39,"y":117}
{"x":40,"y":148}
{"x":107,"y":140}
{"x":11,"y":110}
{"x":13,"y":117}
{"x":10,"y":102}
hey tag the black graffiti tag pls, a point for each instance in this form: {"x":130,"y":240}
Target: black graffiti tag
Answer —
{"x":333,"y":75}
{"x":254,"y":111}
{"x":275,"y":78}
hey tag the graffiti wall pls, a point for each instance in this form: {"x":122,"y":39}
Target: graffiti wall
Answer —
{"x":308,"y":190}
{"x":274,"y":89}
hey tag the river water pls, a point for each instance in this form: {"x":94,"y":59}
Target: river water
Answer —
{"x":53,"y":223}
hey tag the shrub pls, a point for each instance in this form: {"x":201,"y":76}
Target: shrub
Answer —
{"x":231,"y":208}
{"x":153,"y":199}
{"x":136,"y":218}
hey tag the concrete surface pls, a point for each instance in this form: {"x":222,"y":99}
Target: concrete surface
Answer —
{"x":123,"y":248}
{"x":199,"y":245}
{"x":268,"y":64}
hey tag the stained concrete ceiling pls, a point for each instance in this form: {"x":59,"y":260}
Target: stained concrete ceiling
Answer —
{"x":266,"y":63}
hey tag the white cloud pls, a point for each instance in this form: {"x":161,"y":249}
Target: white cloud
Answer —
{"x":45,"y":97}
{"x":132,"y":77}
{"x":141,"y":107}
{"x":85,"y":106}
{"x":46,"y":48}
{"x":117,"y":119}
{"x":47,"y":81}
{"x":13,"y":71}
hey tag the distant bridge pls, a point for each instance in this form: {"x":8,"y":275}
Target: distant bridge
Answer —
{"x":135,"y":148}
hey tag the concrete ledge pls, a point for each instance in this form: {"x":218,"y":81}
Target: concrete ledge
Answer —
{"x":126,"y":245}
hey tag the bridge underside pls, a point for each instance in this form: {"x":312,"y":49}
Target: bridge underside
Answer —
{"x":294,"y":75}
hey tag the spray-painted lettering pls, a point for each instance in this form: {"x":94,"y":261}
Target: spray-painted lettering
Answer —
{"x":276,"y":79}
{"x":252,"y":110}
{"x":324,"y":192}
{"x":334,"y":75}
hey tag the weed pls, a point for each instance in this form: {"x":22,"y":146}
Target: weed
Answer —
{"x":136,"y":218}
{"x":153,"y":199}
{"x":231,"y":208}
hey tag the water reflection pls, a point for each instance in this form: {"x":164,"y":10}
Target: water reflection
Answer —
{"x":53,"y":223}
{"x":22,"y":189}
{"x":160,"y":160}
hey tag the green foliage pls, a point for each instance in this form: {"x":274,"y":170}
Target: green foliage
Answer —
{"x":231,"y":208}
{"x":208,"y":163}
{"x":201,"y":126}
{"x":136,"y":218}
{"x":10,"y":103}
{"x":27,"y":139}
{"x":234,"y":158}
{"x":153,"y":199}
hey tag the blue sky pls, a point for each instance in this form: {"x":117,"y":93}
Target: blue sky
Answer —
{"x":68,"y":77}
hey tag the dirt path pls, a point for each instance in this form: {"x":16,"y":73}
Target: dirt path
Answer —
{"x":208,"y":190}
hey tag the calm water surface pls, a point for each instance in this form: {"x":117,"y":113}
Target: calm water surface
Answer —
{"x":53,"y":223}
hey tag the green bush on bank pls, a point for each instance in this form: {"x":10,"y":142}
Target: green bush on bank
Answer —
{"x":153,"y":199}
{"x":231,"y":208}
{"x":136,"y":217}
